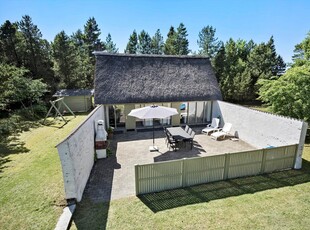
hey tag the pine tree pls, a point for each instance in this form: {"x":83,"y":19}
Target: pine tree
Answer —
{"x":218,"y":63}
{"x":132,"y":44}
{"x":170,"y":43}
{"x":230,"y":70}
{"x":78,"y":38}
{"x":181,"y":41}
{"x":91,"y":37}
{"x":208,"y":43}
{"x":65,"y":61}
{"x":157,"y":43}
{"x":32,"y":36}
{"x":109,"y":45}
{"x":9,"y":42}
{"x":36,"y":51}
{"x":85,"y":68}
{"x":144,"y":45}
{"x":280,"y":66}
{"x":92,"y":43}
{"x":272,"y":57}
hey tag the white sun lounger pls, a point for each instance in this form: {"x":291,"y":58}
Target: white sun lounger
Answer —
{"x":222,"y":132}
{"x":212,"y":127}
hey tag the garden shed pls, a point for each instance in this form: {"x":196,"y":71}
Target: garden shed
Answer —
{"x":78,"y":100}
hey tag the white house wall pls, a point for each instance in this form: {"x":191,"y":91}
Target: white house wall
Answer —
{"x":261,"y":129}
{"x":77,"y":155}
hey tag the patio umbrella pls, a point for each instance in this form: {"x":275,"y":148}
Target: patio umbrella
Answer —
{"x":151,"y":112}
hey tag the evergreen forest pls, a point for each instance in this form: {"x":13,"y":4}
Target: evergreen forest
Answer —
{"x":32,"y":68}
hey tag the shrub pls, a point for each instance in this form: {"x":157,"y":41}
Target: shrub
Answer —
{"x":39,"y":109}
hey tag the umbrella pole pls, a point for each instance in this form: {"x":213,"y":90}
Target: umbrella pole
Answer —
{"x":153,"y":148}
{"x":153,"y":134}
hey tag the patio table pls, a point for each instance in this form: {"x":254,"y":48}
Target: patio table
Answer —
{"x":178,"y":133}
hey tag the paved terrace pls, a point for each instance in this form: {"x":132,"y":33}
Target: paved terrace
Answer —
{"x":113,"y":177}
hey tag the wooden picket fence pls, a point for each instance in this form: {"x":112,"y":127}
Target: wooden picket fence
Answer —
{"x":173,"y":174}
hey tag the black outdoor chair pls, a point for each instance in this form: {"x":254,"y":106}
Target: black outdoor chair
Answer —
{"x":171,"y":143}
{"x":191,"y":141}
{"x":166,"y":135}
{"x":189,"y":131}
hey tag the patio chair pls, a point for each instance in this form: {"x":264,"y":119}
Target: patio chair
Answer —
{"x":189,"y":131}
{"x":191,"y":141}
{"x":166,"y":134}
{"x":212,"y":127}
{"x":171,"y":143}
{"x":222,"y":132}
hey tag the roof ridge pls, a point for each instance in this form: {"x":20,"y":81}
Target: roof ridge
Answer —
{"x":103,"y":53}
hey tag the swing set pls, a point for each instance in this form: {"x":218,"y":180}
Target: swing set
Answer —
{"x":59,"y":102}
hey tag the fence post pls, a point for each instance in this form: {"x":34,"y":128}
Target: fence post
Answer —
{"x":183,"y":172}
{"x":137,"y":179}
{"x":295,"y":156}
{"x":263,"y":167}
{"x":226,"y":166}
{"x":303,"y":134}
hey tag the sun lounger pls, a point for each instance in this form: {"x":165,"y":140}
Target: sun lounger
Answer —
{"x":212,"y":127}
{"x":222,"y":132}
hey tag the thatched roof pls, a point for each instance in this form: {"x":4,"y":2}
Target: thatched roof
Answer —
{"x":127,"y":78}
{"x":74,"y":92}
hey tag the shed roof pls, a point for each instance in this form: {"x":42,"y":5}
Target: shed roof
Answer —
{"x":128,"y":78}
{"x":74,"y":92}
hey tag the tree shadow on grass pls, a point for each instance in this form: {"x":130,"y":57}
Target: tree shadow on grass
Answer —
{"x":7,"y":148}
{"x":218,"y":190}
{"x":12,"y":147}
{"x":3,"y":161}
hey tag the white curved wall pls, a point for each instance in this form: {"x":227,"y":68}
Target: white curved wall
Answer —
{"x":77,"y":153}
{"x":261,"y":129}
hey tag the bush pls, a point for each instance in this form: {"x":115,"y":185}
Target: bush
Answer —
{"x":35,"y":112}
{"x":8,"y":126}
{"x":5,"y":128}
{"x":290,"y":94}
{"x":25,"y":114}
{"x":39,"y":110}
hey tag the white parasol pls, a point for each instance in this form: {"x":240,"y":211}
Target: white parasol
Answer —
{"x":151,"y":112}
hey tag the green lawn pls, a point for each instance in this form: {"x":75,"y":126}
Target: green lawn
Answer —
{"x":273,"y":201}
{"x":31,"y":184}
{"x":262,"y":108}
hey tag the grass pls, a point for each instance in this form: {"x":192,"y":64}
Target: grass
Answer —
{"x":31,"y":184}
{"x":262,"y":108}
{"x":279,"y":200}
